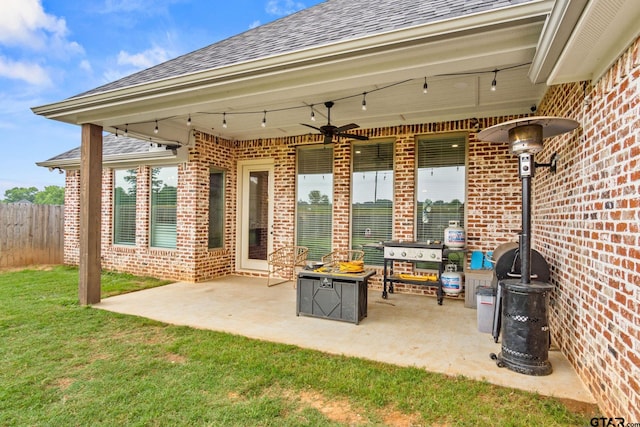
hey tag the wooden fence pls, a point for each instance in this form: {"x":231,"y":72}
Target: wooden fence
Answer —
{"x":31,"y":234}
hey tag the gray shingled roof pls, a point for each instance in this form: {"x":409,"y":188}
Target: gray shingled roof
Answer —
{"x":328,"y":22}
{"x":111,"y":146}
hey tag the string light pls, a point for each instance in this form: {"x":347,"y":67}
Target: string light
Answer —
{"x":312,"y":114}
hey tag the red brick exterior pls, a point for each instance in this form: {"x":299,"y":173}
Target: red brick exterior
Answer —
{"x":585,"y":217}
{"x":586,"y":224}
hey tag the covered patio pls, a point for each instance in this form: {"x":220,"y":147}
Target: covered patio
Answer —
{"x":406,"y":330}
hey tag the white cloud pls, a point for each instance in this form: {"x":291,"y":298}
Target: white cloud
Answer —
{"x":24,"y":23}
{"x":254,"y":24}
{"x":283,"y":7}
{"x":146,"y":59}
{"x":129,"y":63}
{"x":86,"y":65}
{"x":29,"y":72}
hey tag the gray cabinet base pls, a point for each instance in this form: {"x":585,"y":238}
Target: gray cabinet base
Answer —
{"x":336,"y":297}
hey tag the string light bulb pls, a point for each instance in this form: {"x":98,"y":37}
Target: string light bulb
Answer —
{"x":494,"y":83}
{"x":364,"y":101}
{"x":155,"y":130}
{"x":264,"y":119}
{"x":224,"y":120}
{"x":425,"y":86}
{"x":313,"y":114}
{"x":126,"y":130}
{"x":189,"y":120}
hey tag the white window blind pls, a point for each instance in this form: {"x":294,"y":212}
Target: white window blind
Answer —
{"x":216,"y":209}
{"x":372,"y":197}
{"x":314,"y":215}
{"x":124,"y":207}
{"x":441,"y":185}
{"x":164,"y":187}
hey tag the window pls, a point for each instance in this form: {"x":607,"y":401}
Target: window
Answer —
{"x":314,"y":212}
{"x":164,"y":186}
{"x":372,"y":197}
{"x":124,"y":207}
{"x":441,"y":185}
{"x":216,"y":209}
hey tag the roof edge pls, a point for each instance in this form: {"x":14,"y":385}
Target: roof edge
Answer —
{"x":558,"y":29}
{"x":66,"y":110}
{"x":151,"y":158}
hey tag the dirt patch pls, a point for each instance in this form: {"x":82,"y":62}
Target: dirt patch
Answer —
{"x":344,"y":412}
{"x":176,"y":358}
{"x":338,"y":410}
{"x":64,"y":383}
{"x":582,"y":408}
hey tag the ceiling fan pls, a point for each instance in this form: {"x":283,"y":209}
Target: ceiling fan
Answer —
{"x":329,"y":130}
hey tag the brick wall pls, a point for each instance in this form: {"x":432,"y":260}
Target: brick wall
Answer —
{"x":491,"y":171}
{"x":586,"y":224}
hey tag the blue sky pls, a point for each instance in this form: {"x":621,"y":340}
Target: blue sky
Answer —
{"x":53,"y":49}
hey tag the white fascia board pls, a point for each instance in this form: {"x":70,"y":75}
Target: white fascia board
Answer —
{"x":69,"y":109}
{"x":604,"y":31}
{"x":556,"y":32}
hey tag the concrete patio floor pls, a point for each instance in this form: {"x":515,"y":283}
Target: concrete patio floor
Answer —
{"x":405,"y":330}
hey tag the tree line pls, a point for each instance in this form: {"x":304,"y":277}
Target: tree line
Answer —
{"x":51,"y":195}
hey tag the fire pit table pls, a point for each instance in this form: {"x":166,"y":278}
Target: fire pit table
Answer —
{"x":333,"y":295}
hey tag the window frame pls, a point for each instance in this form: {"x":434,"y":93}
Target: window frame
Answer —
{"x":315,"y":253}
{"x":464,"y":138}
{"x":115,"y":217}
{"x":213,"y":170}
{"x":152,"y":213}
{"x":372,"y":257}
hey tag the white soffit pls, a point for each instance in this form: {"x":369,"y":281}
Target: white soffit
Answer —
{"x":605,"y":29}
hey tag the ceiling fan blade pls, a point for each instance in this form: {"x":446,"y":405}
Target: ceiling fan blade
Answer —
{"x":347,"y":127}
{"x":312,"y":127}
{"x":353,"y":136}
{"x":328,"y":139}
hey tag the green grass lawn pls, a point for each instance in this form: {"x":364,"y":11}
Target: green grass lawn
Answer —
{"x":67,"y":365}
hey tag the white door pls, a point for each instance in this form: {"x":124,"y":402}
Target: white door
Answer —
{"x":255,"y":214}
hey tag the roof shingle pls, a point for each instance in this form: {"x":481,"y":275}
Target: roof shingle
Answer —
{"x":326,"y":23}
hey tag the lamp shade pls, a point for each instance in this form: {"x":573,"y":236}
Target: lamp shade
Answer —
{"x":551,"y":126}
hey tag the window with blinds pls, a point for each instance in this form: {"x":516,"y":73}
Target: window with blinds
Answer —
{"x":441,"y":185}
{"x":216,"y":209}
{"x":124,"y":207}
{"x":164,"y":199}
{"x":314,"y":214}
{"x":372,"y":197}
